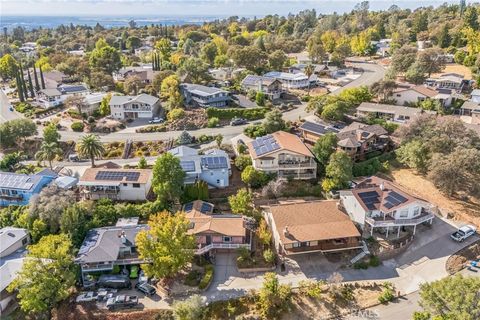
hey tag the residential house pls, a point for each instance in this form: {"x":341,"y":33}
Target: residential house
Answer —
{"x":389,"y":112}
{"x":301,"y":57}
{"x":271,"y":87}
{"x":358,"y":140}
{"x":216,"y":232}
{"x":52,"y":97}
{"x":202,"y":96}
{"x":213,"y":166}
{"x":283,"y":154}
{"x":93,"y":102}
{"x":469,"y":107}
{"x":290,"y":80}
{"x":143,"y":50}
{"x":18,"y":188}
{"x":452,"y":81}
{"x":475,"y":96}
{"x":145,"y":73}
{"x":311,"y":131}
{"x":73,"y":90}
{"x":143,"y":106}
{"x":12,"y":255}
{"x":108,"y":247}
{"x":406,"y":94}
{"x":311,"y":226}
{"x":300,"y":67}
{"x":115,"y":184}
{"x":225,"y":74}
{"x":382,"y":46}
{"x":377,"y":204}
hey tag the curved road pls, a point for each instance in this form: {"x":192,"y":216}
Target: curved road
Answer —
{"x":371,"y":74}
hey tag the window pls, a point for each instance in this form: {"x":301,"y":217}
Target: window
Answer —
{"x":416,"y":211}
{"x":24,"y":241}
{"x":14,"y":191}
{"x":136,"y":185}
{"x":125,"y":184}
{"x":296,"y":244}
{"x":227,"y":239}
{"x":404,"y":213}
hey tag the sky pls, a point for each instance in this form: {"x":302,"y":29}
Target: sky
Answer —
{"x":138,"y":8}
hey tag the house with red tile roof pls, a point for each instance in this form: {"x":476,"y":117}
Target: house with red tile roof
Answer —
{"x":376,"y":204}
{"x":283,"y":154}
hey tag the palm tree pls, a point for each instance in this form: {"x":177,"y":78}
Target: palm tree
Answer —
{"x":48,"y":151}
{"x":90,"y":146}
{"x":309,"y":70}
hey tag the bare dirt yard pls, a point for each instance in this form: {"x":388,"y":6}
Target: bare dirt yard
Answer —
{"x":456,"y":68}
{"x":465,"y":209}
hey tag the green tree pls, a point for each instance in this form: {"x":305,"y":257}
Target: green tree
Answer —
{"x":403,"y":58}
{"x":470,"y":18}
{"x":431,"y":60}
{"x":209,"y":52}
{"x":142,"y":163}
{"x":254,"y":178}
{"x":191,"y":308}
{"x":273,"y":297}
{"x":8,"y":67}
{"x":167,"y":245}
{"x":260,"y":98}
{"x":338,"y":171}
{"x":170,"y":89}
{"x":105,"y":58}
{"x":46,"y":277}
{"x":414,"y":154}
{"x":250,"y":57}
{"x":242,"y":203}
{"x":164,"y":47}
{"x":415,"y":74}
{"x":383,"y":89}
{"x":324,"y":147}
{"x":277,"y":59}
{"x":132,"y":84}
{"x":451,"y":298}
{"x":14,"y":131}
{"x":50,"y":133}
{"x":91,"y":147}
{"x":309,"y":70}
{"x":104,"y":107}
{"x":273,"y":121}
{"x":196,"y":70}
{"x":77,"y":102}
{"x":74,"y":223}
{"x":316,"y":50}
{"x":168,"y":178}
{"x":133,"y":43}
{"x":48,"y":151}
{"x":444,"y":38}
{"x":242,"y":161}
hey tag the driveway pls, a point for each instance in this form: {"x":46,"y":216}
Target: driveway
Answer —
{"x":5,"y":113}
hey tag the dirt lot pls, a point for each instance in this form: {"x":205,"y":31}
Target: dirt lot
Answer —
{"x":456,"y":68}
{"x":461,"y":209}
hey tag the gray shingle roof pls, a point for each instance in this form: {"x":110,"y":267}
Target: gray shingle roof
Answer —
{"x":253,"y":80}
{"x":64,"y":89}
{"x":10,"y":236}
{"x":141,"y":98}
{"x":201,"y":90}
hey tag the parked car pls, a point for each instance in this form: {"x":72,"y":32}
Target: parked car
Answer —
{"x":156,"y":120}
{"x":237,"y":121}
{"x":463,"y":233}
{"x":146,"y":288}
{"x":116,"y":281}
{"x":87,"y":297}
{"x":122,"y":302}
{"x":73,"y":157}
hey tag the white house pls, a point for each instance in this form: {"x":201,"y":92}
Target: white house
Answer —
{"x":115,"y":184}
{"x":290,"y":80}
{"x":410,"y":94}
{"x":132,"y":107}
{"x":52,"y":97}
{"x":475,"y":96}
{"x":375,"y":204}
{"x":283,"y":154}
{"x":389,"y":112}
{"x":12,"y":251}
{"x":453,"y":81}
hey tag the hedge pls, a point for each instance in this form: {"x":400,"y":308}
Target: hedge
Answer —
{"x":371,"y":166}
{"x":230,"y":113}
{"x":207,"y":277}
{"x":153,"y":128}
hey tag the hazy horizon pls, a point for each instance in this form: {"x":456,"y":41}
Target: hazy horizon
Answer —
{"x":191,"y":8}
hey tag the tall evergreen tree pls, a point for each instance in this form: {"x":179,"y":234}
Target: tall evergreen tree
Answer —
{"x":37,"y":86}
{"x":159,"y":62}
{"x":41,"y":77}
{"x":22,"y":80}
{"x":154,"y":62}
{"x":30,"y":84}
{"x":19,"y":87}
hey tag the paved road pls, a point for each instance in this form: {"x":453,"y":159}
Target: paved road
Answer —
{"x":5,"y":113}
{"x":371,"y":74}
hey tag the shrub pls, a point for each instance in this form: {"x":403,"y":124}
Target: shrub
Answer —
{"x":360,"y":265}
{"x":347,"y":293}
{"x":77,"y":126}
{"x":154,"y":128}
{"x":269,"y":256}
{"x":192,"y":308}
{"x":213,"y":122}
{"x":175,"y":114}
{"x":74,"y":113}
{"x":205,"y":138}
{"x":207,"y":277}
{"x":243,"y":254}
{"x":311,"y":288}
{"x":374,"y":261}
{"x":387,"y":293}
{"x":241,"y":148}
{"x":91,"y":119}
{"x":193,"y":278}
{"x":260,"y":99}
{"x":255,"y":130}
{"x":230,"y":113}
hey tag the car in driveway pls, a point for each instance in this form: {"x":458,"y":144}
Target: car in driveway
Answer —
{"x":122,"y":302}
{"x":463,"y":233}
{"x":238,"y":121}
{"x":146,"y":288}
{"x":116,"y":281}
{"x":87,"y":297}
{"x":156,"y":120}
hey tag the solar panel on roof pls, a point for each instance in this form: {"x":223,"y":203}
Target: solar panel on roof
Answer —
{"x":370,"y":206}
{"x":188,"y":207}
{"x":388,"y":205}
{"x":398,"y":196}
{"x":117,"y":175}
{"x":214,"y":162}
{"x":206,"y":207}
{"x":392,"y":200}
{"x":188,"y":166}
{"x":265,"y":144}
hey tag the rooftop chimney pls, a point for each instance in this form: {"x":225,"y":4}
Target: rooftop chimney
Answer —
{"x":382,"y":186}
{"x":285,"y":231}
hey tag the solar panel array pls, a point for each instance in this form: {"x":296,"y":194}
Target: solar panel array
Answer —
{"x":206,"y":208}
{"x":265,"y":144}
{"x":188,"y":166}
{"x":117,"y":175}
{"x":188,"y":207}
{"x":394,"y":199}
{"x":318,"y":128}
{"x":15,"y":181}
{"x":214,"y":162}
{"x":369,"y":199}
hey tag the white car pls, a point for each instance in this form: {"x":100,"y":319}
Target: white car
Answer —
{"x":87,"y":297}
{"x":463,"y":233}
{"x":156,"y":120}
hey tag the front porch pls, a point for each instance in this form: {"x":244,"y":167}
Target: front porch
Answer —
{"x":395,"y":228}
